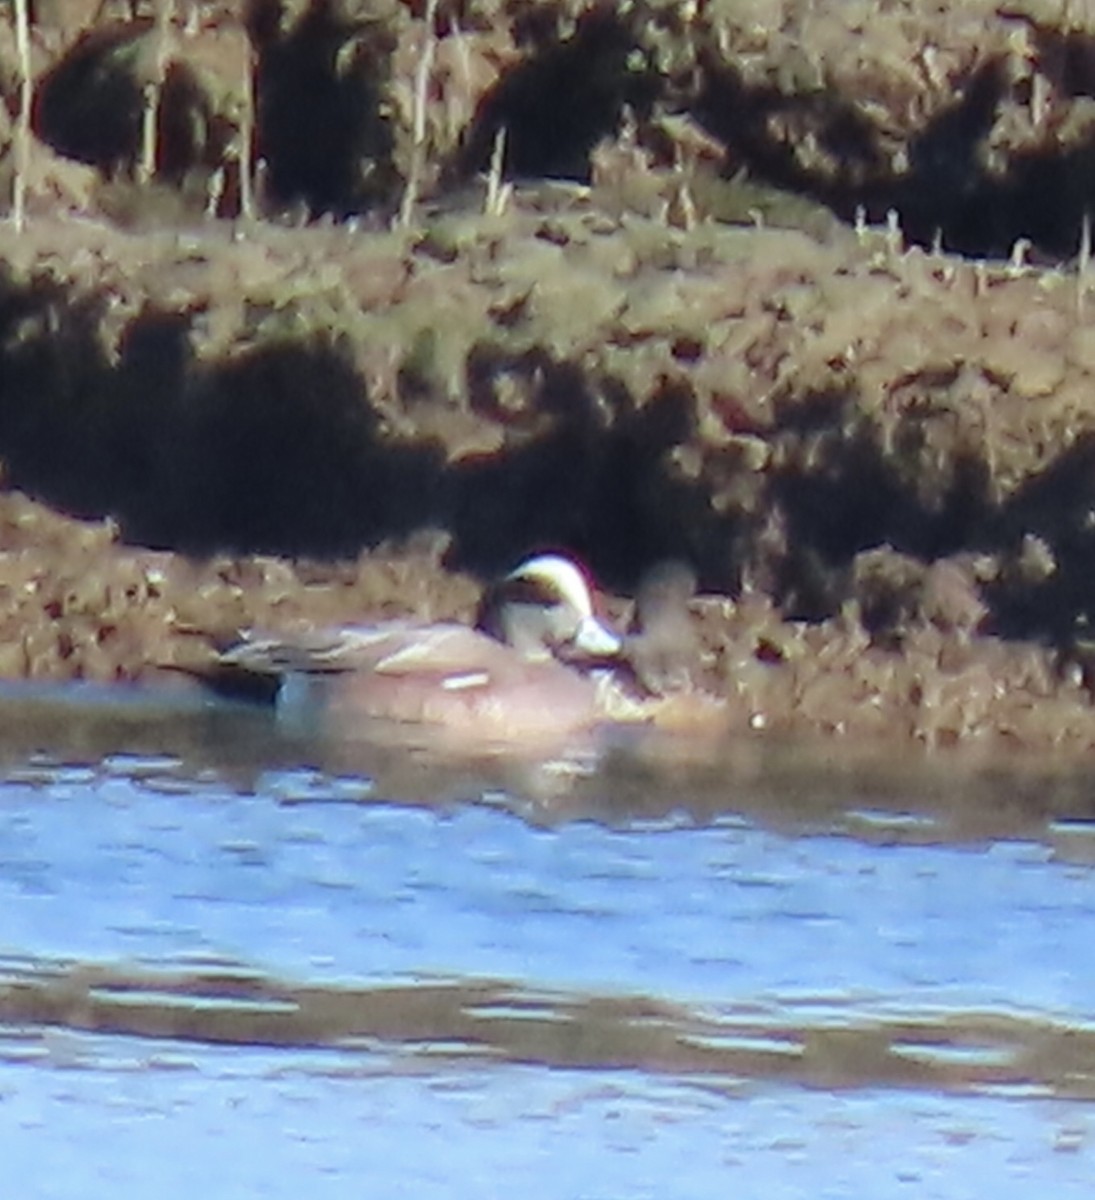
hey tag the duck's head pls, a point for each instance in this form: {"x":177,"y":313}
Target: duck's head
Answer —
{"x":543,"y":608}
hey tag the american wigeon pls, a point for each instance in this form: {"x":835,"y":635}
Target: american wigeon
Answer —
{"x":663,"y":646}
{"x":501,"y":683}
{"x":662,"y":684}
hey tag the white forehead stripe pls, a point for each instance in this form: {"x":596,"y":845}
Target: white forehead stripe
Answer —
{"x":562,"y":577}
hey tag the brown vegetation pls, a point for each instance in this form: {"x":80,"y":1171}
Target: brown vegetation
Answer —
{"x":882,"y":450}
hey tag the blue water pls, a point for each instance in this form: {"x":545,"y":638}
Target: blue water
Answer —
{"x":251,"y":1123}
{"x":111,"y":868}
{"x":155,"y":867}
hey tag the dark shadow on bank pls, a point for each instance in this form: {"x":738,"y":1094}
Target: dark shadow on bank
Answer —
{"x":89,"y":105}
{"x":950,"y":190}
{"x":322,"y":128}
{"x":275,"y":450}
{"x":1047,"y":586}
{"x":278,"y":450}
{"x":561,"y":101}
{"x":599,"y":482}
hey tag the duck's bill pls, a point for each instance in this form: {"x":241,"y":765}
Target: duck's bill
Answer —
{"x":596,"y":640}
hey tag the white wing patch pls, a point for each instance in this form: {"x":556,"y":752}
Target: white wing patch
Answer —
{"x":438,"y":648}
{"x":466,"y":681}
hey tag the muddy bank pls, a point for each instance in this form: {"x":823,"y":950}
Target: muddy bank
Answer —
{"x":764,"y":403}
{"x":263,"y":304}
{"x":77,"y":602}
{"x":973,"y":119}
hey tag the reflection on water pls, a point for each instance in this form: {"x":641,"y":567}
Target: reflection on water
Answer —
{"x":184,"y":741}
{"x":821,"y":1042}
{"x":289,"y":972}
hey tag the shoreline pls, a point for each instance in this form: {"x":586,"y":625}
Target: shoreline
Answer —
{"x":77,"y":603}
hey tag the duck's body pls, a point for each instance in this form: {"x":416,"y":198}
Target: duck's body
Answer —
{"x":519,"y":682}
{"x":446,"y":676}
{"x":467,"y":686}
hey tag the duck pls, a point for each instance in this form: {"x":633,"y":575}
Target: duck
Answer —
{"x":657,"y":680}
{"x":523,"y":676}
{"x":662,"y":646}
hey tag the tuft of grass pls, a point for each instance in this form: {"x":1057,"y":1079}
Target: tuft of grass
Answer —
{"x":22,"y":128}
{"x":418,"y":135}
